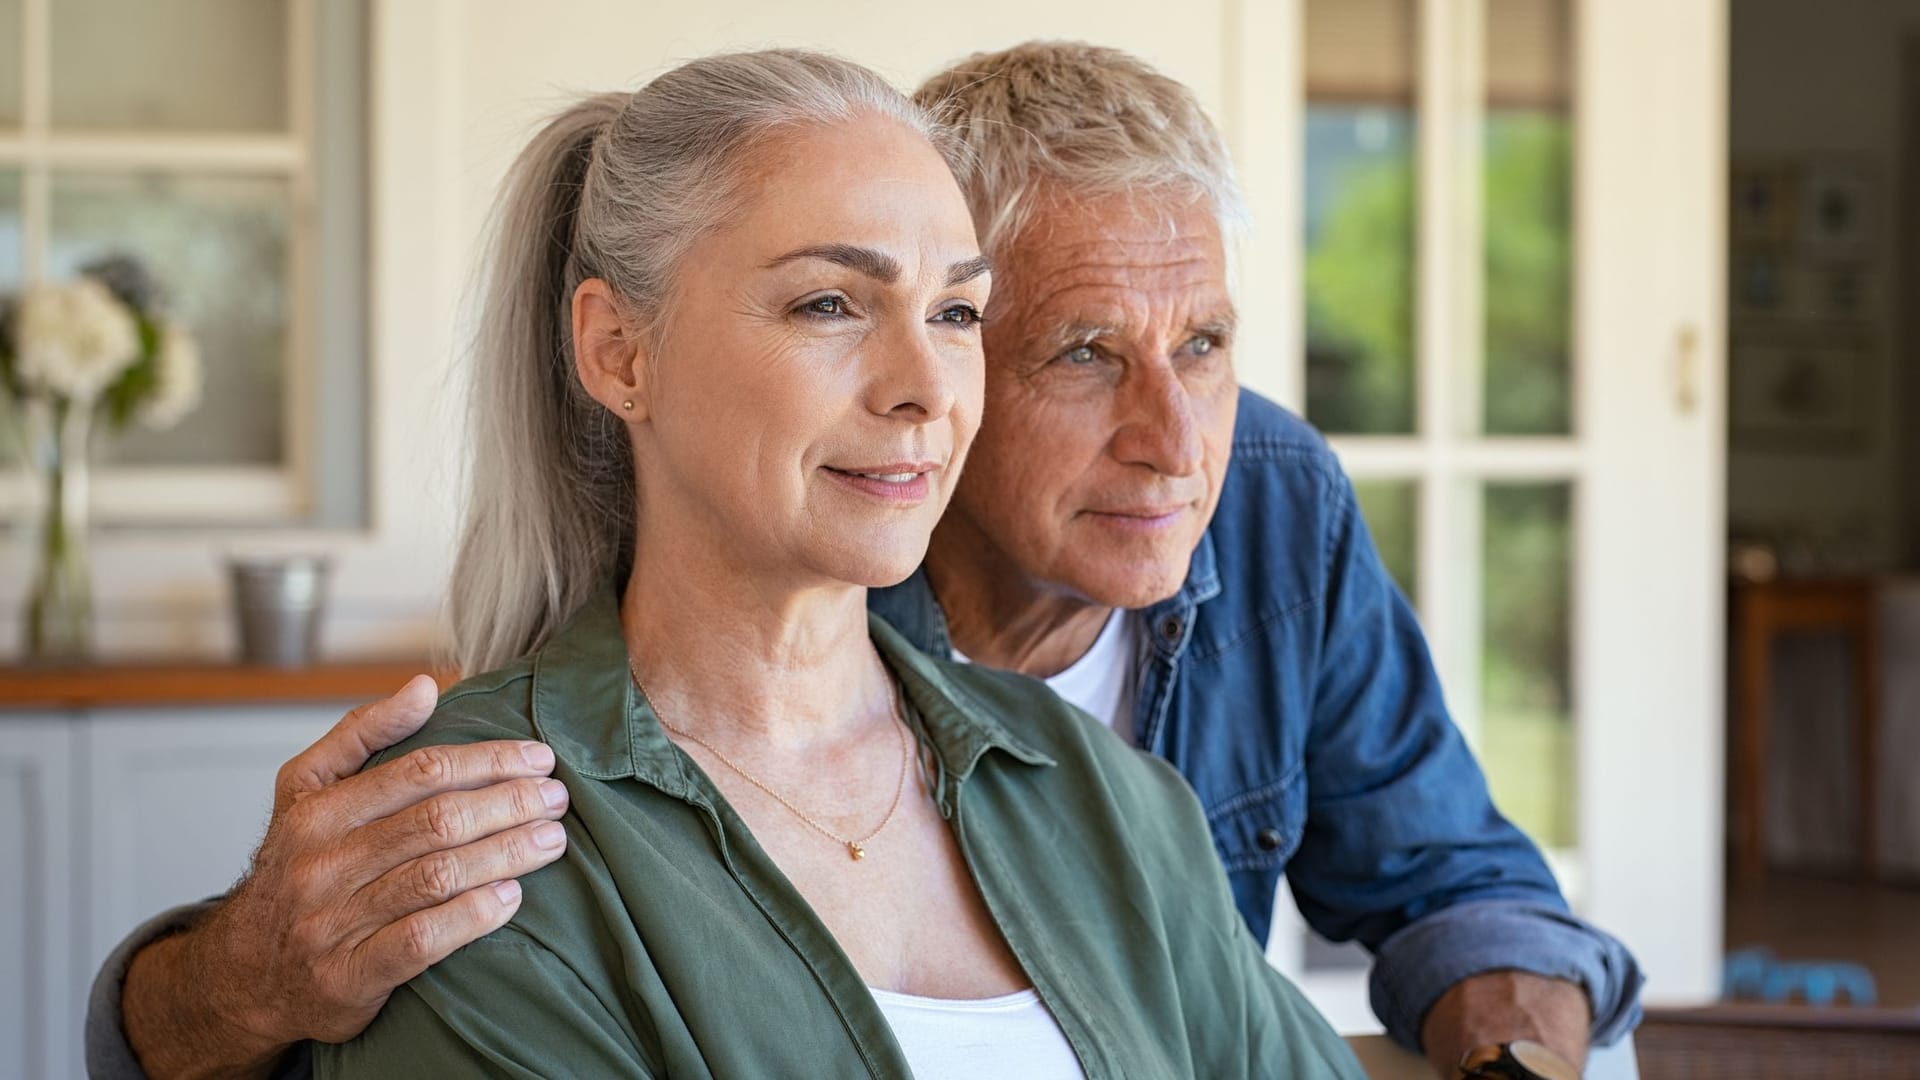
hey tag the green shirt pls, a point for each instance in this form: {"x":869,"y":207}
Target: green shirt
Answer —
{"x":665,"y":942}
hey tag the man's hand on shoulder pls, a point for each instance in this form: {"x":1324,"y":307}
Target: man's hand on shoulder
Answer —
{"x":1506,"y":1006}
{"x":363,"y":881}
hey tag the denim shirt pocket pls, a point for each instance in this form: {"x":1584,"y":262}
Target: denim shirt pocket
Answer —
{"x":1260,"y":829}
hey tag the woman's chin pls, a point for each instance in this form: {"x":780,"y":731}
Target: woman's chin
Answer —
{"x":876,"y":562}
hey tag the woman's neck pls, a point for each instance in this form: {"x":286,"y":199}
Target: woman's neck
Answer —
{"x":997,"y":615}
{"x":726,"y":654}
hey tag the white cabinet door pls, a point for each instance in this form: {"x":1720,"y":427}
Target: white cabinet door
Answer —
{"x":177,"y":801}
{"x":40,"y":990}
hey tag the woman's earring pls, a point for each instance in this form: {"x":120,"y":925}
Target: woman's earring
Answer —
{"x":627,"y":405}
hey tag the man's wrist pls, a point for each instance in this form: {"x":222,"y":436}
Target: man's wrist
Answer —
{"x":183,"y":1018}
{"x":1499,"y":1007}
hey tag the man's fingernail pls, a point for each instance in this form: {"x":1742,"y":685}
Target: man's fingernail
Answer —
{"x":508,"y":892}
{"x":554,"y":793}
{"x":549,"y":834}
{"x":538,"y":755}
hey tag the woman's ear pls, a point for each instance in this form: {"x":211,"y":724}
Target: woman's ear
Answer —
{"x":607,"y":352}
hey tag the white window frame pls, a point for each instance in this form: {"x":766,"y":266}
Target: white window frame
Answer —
{"x":1645,"y":454}
{"x":126,"y":494}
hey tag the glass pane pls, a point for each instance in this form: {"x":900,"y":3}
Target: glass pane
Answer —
{"x":208,"y":65}
{"x":217,"y":246}
{"x":11,"y":432}
{"x":1359,"y":215}
{"x":11,"y":73}
{"x":1528,"y":221}
{"x":1527,"y":723}
{"x":1392,"y":511}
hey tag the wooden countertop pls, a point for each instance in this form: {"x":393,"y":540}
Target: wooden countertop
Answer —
{"x":135,"y":685}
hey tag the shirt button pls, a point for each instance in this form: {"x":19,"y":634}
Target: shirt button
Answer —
{"x":1268,"y":839}
{"x":1170,"y":627}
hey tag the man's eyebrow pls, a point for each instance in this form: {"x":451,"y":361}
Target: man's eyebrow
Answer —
{"x":877,"y":265}
{"x":1074,"y":335}
{"x":1220,"y":326}
{"x":967,"y":269}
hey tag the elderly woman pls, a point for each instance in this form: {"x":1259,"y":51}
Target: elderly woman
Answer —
{"x":729,"y":369}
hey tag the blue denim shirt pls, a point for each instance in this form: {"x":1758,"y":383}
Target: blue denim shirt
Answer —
{"x":1289,"y":682}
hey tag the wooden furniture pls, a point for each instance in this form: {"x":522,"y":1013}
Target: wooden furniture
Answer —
{"x":1754,"y":1042}
{"x":1762,"y":611}
{"x":203,"y":684}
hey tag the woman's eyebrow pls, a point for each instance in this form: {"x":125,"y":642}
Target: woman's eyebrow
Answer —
{"x":967,"y":269}
{"x":878,"y":265}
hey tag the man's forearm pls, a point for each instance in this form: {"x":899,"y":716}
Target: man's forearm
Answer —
{"x":1505,"y":1006}
{"x":173,"y":1007}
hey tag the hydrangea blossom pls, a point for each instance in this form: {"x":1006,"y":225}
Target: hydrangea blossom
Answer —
{"x":73,"y":340}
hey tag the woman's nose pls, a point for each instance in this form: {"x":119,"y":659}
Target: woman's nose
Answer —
{"x":913,"y":377}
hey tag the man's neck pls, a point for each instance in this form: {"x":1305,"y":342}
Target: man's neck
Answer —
{"x":998,"y":616}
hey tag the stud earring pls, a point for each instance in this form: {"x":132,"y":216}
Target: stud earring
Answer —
{"x":627,"y":405}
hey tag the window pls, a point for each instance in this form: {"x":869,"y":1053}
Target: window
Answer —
{"x":221,"y":143}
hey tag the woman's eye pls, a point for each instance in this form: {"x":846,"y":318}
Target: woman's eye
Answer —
{"x":826,"y":305}
{"x":960,"y":315}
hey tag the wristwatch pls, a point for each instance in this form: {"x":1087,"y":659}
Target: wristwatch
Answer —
{"x":1522,"y":1060}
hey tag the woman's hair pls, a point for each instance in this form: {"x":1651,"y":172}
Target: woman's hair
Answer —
{"x":1085,"y":119}
{"x":617,"y":187}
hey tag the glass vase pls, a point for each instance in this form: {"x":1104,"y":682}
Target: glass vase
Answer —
{"x":60,"y":607}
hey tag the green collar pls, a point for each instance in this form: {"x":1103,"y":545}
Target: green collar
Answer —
{"x":586,"y":707}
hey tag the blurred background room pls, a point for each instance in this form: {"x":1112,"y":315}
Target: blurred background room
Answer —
{"x":1604,"y":305}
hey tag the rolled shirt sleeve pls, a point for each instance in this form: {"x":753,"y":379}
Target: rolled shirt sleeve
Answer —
{"x":109,"y":1055}
{"x":1404,"y":849}
{"x":1414,"y":967}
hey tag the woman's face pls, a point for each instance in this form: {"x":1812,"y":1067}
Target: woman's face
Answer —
{"x":817,"y":379}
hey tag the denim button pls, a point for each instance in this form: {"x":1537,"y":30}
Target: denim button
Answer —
{"x":1268,"y":839}
{"x":1170,"y":627}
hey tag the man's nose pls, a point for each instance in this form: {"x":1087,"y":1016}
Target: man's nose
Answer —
{"x":1160,"y":431}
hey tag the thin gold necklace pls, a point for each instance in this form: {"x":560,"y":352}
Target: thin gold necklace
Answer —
{"x":856,"y":849}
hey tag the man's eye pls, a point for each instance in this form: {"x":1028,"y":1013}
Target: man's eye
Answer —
{"x":1080,"y":355}
{"x":960,"y":315}
{"x":1200,"y":346}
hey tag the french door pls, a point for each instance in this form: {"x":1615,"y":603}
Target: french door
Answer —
{"x":1496,"y":226}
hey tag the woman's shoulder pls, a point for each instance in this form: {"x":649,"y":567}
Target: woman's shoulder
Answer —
{"x":494,"y":705}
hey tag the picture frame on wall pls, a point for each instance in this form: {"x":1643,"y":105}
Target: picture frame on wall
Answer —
{"x":1801,"y":388}
{"x":1838,"y":211}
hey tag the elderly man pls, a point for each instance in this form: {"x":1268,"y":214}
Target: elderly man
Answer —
{"x":1179,"y":557}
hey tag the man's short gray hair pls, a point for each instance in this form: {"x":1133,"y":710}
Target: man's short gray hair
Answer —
{"x":1082,"y":120}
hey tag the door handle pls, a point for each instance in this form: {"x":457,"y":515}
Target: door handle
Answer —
{"x":1686,"y":370}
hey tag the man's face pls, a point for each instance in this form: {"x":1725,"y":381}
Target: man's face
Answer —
{"x":1110,"y":398}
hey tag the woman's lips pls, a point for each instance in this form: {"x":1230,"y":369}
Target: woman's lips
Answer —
{"x":902,"y":483}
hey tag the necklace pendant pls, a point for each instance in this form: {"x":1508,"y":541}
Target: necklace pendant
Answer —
{"x":855,"y":851}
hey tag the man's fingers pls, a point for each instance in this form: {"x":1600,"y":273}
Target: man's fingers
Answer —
{"x":393,"y":786}
{"x":452,"y":820}
{"x":365,"y":731}
{"x":403,"y":949}
{"x":438,"y":877}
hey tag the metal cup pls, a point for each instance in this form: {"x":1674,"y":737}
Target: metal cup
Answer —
{"x":280,"y":602}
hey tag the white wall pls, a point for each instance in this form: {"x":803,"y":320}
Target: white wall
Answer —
{"x":1811,"y":79}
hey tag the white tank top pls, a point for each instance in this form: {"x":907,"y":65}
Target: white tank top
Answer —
{"x":1012,"y":1037}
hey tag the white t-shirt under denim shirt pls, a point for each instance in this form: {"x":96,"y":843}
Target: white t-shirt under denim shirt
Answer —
{"x":1102,"y":682}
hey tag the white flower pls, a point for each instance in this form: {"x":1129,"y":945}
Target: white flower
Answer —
{"x":177,"y":379}
{"x":73,"y":340}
